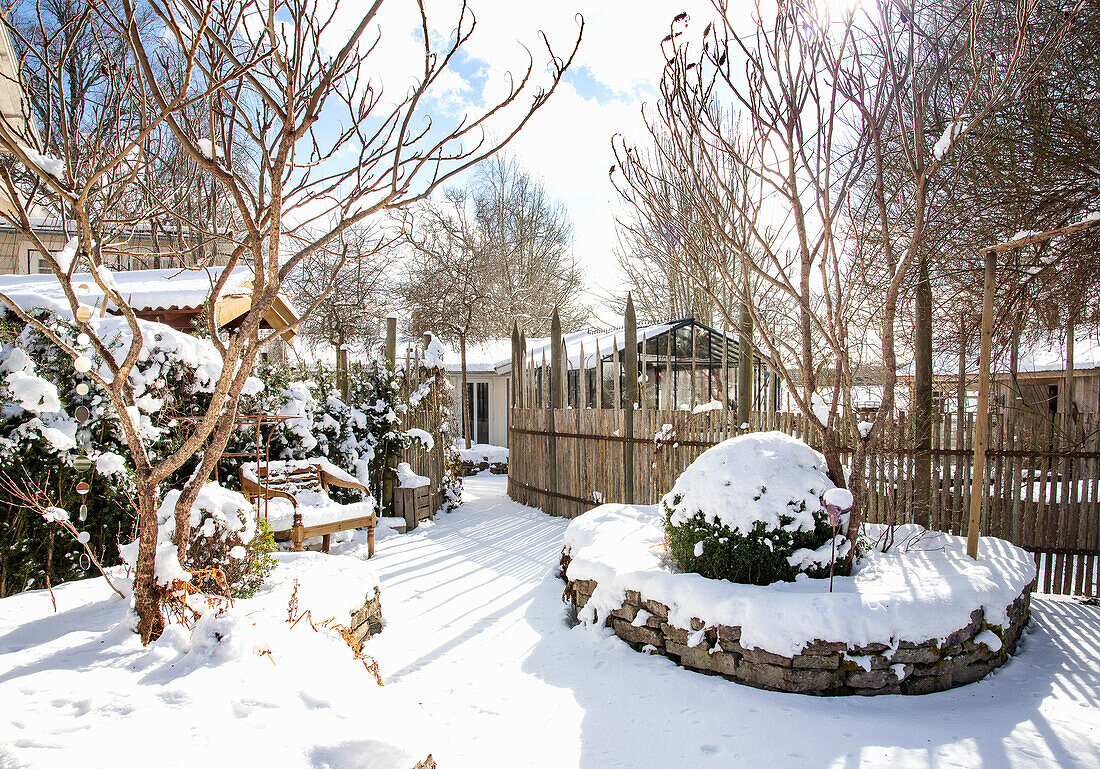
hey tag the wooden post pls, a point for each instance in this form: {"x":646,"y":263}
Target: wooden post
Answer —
{"x":599,"y":376}
{"x":978,"y":490}
{"x":516,"y":358}
{"x":557,"y":386}
{"x":554,"y":403}
{"x":391,"y":338}
{"x":630,"y":384}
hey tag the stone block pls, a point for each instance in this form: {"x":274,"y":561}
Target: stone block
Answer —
{"x":728,"y":634}
{"x":580,"y":599}
{"x":925,"y":684}
{"x":765,"y":657}
{"x":875,"y":679}
{"x":656,"y":608}
{"x":871,"y":648}
{"x":968,"y":632}
{"x":946,"y":666}
{"x":820,"y":647}
{"x":697,"y":624}
{"x":975,"y":671}
{"x":586,"y":586}
{"x":786,"y":679}
{"x":759,"y":675}
{"x":695,"y":657}
{"x":637,"y":635}
{"x":633,"y":597}
{"x":815,"y":662}
{"x":626,"y":611}
{"x":724,"y":663}
{"x":675,"y":634}
{"x":920,"y":655}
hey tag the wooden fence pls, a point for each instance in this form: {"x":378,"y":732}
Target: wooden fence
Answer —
{"x":1041,"y":485}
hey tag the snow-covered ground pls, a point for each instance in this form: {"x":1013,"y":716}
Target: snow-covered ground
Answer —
{"x":483,"y":668}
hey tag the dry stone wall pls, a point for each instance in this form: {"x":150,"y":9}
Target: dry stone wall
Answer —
{"x":822,"y":667}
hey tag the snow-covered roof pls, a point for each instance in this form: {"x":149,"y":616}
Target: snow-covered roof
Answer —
{"x":1034,"y":358}
{"x":145,"y":290}
{"x":495,"y":355}
{"x":149,"y":291}
{"x":482,"y":357}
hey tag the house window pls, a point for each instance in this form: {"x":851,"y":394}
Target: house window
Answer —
{"x":32,"y":262}
{"x":477,"y":417}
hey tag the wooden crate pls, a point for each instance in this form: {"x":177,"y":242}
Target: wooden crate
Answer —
{"x":414,"y":505}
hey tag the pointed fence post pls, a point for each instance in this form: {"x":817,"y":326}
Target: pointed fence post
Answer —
{"x":514,"y":380}
{"x":630,"y":387}
{"x":521,"y":384}
{"x":554,"y":404}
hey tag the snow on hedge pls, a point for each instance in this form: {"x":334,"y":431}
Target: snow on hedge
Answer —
{"x":733,"y":483}
{"x":926,"y":591}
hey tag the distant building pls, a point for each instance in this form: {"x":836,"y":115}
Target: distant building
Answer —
{"x":1040,"y":383}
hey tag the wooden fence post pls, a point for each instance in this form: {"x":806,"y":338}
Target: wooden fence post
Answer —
{"x":630,"y":386}
{"x":981,"y":427}
{"x":554,"y":403}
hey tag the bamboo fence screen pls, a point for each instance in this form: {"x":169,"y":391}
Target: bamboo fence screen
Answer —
{"x":1041,"y":484}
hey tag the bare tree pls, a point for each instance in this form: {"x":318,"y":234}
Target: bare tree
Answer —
{"x":816,"y":96}
{"x":450,"y":280}
{"x":266,"y":78}
{"x":356,"y":269}
{"x":528,"y":238}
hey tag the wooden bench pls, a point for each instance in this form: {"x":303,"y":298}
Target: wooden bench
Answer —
{"x":302,"y":482}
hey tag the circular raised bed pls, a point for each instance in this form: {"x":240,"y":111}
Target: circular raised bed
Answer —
{"x":918,"y":618}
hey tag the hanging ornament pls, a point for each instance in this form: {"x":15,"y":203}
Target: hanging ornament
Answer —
{"x":82,"y":389}
{"x":83,"y":537}
{"x":82,"y":463}
{"x":82,"y":514}
{"x":82,"y":364}
{"x":82,"y":414}
{"x":83,"y":313}
{"x":82,"y":339}
{"x":85,"y":562}
{"x":82,"y":488}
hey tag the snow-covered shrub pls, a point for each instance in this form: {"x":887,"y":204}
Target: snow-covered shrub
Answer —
{"x":750,"y":510}
{"x":40,"y":437}
{"x":225,"y":535}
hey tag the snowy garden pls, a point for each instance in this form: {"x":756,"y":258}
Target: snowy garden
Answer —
{"x":326,"y":442}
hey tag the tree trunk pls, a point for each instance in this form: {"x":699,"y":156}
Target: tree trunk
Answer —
{"x":922,"y":398}
{"x":146,"y":591}
{"x":342,"y":365}
{"x":744,"y":367}
{"x":467,"y":425}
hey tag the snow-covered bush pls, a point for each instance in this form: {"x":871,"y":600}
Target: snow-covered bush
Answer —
{"x":225,"y":535}
{"x":41,"y":439}
{"x":750,"y":510}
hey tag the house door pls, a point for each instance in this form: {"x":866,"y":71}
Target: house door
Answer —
{"x":477,"y":422}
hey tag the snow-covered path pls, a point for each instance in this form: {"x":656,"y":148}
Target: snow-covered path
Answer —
{"x":478,"y":634}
